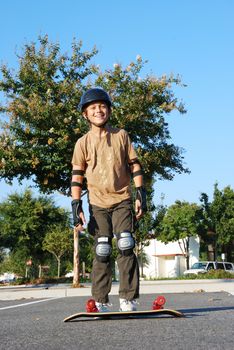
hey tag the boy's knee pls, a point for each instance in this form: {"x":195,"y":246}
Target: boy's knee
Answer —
{"x":126,"y":243}
{"x":103,"y":249}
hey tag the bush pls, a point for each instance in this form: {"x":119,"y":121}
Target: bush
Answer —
{"x":219,"y":274}
{"x":212,"y":274}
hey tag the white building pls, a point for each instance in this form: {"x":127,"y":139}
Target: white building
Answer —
{"x":168,"y":260}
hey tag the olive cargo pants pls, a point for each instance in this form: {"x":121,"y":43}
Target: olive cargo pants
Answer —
{"x":105,"y":222}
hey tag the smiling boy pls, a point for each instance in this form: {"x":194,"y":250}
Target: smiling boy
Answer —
{"x":107,"y":158}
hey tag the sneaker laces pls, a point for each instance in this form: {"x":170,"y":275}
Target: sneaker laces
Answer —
{"x":103,"y":307}
{"x":128,"y":305}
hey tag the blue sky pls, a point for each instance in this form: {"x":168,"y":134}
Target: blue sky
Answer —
{"x":191,"y":38}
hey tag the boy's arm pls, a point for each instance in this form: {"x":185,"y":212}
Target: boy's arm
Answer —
{"x":137,"y":174}
{"x":76,"y":190}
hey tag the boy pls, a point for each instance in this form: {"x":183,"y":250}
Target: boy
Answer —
{"x":106,"y":157}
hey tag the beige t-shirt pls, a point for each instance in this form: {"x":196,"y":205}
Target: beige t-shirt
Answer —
{"x":106,"y":161}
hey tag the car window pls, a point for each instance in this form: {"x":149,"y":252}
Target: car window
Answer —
{"x":228,"y":266}
{"x":210,"y":266}
{"x":198,"y":265}
{"x":220,"y":266}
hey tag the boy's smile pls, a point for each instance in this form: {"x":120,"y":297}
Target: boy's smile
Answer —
{"x":97,"y":113}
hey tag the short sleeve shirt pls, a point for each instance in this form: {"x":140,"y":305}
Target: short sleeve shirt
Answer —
{"x":105,"y":160}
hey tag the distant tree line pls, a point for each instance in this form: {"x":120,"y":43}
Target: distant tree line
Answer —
{"x":36,"y":229}
{"x":211,"y":220}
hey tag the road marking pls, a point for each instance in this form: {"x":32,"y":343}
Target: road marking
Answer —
{"x":26,"y":304}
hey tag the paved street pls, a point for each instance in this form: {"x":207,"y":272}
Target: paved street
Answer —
{"x":146,"y":287}
{"x":31,"y":322}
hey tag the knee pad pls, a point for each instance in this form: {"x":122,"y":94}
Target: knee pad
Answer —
{"x":126,"y":243}
{"x":103,"y":249}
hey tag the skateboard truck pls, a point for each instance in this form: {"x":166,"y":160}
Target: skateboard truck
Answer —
{"x":91,"y":306}
{"x":159,"y":302}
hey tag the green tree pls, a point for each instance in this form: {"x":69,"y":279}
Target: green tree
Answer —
{"x":143,"y":234}
{"x":181,"y":221}
{"x":219,"y":219}
{"x":2,"y":254}
{"x":86,"y":243}
{"x":58,"y":241}
{"x":24,"y":222}
{"x":140,"y":106}
{"x":209,"y":241}
{"x":42,"y":121}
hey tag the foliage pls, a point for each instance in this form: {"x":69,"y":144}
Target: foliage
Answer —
{"x":181,"y":221}
{"x":44,"y":124}
{"x":143,"y":233}
{"x":58,"y":241}
{"x":2,"y":254}
{"x":219,"y":219}
{"x":212,"y":274}
{"x":139,"y":106}
{"x":42,"y":121}
{"x":24,"y":222}
{"x":223,"y":211}
{"x":143,"y":227}
{"x":86,"y":243}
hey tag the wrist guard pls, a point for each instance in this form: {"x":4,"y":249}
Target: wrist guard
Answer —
{"x":141,"y":195}
{"x":76,"y":210}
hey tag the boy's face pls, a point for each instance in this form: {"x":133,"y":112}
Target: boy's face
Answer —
{"x":97,"y":113}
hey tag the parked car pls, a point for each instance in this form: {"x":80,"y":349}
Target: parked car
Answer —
{"x":69,"y":274}
{"x":7,"y":277}
{"x":204,"y":266}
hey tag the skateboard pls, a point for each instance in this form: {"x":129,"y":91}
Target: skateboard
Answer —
{"x":92,"y":312}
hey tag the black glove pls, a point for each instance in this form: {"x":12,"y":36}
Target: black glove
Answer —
{"x":141,"y":195}
{"x":76,"y":210}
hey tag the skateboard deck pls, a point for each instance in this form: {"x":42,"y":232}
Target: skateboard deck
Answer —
{"x":124,"y":314}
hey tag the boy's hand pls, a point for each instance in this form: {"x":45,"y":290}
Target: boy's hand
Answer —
{"x":80,"y":226}
{"x":78,"y":214}
{"x":138,"y":209}
{"x":140,"y":203}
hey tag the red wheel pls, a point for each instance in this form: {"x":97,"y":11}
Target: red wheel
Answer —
{"x":91,"y":306}
{"x":159,"y":302}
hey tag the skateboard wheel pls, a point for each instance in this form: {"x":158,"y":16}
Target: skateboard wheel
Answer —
{"x":91,"y":306}
{"x":159,"y":302}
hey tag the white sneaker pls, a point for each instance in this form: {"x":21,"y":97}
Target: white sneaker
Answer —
{"x":102,"y":307}
{"x":127,"y":305}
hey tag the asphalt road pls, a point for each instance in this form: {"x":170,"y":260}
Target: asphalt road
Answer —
{"x":38,"y":324}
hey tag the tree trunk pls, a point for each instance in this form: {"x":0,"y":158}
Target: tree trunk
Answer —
{"x":187,"y":253}
{"x":142,"y":268}
{"x":141,"y":257}
{"x":211,"y":252}
{"x":59,"y":265}
{"x":186,"y":250}
{"x":76,"y":269}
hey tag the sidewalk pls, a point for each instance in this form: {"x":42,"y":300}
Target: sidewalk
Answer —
{"x":146,"y":287}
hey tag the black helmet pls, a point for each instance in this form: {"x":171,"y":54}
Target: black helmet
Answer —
{"x":92,"y":95}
